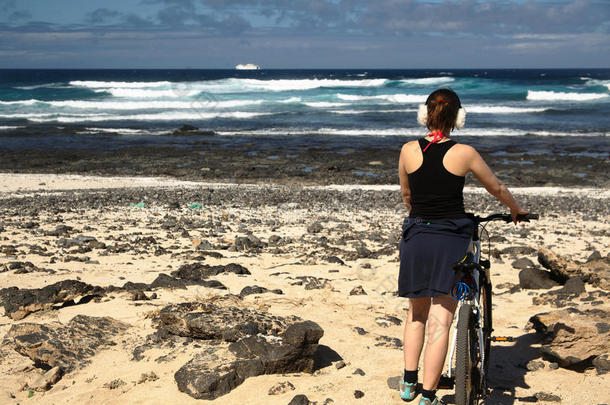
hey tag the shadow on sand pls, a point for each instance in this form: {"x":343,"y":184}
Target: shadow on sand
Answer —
{"x":507,"y":369}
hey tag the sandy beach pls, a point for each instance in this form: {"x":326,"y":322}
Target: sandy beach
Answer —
{"x":330,"y":251}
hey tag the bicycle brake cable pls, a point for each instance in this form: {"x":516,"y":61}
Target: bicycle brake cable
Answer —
{"x":484,"y":229}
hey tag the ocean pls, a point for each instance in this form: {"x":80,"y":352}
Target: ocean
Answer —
{"x":63,"y":109}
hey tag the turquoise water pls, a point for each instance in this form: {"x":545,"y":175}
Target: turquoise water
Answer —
{"x":299,"y":103}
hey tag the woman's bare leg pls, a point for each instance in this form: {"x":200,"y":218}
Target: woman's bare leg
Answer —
{"x":413,"y":339}
{"x":440,"y":318}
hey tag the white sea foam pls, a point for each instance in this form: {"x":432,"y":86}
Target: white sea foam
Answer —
{"x":43,"y":86}
{"x":231,"y":85}
{"x":347,"y":112}
{"x":596,"y":82}
{"x":300,"y":84}
{"x":153,"y":104}
{"x":393,"y":98}
{"x":291,"y":100}
{"x":427,"y":81}
{"x":323,"y":104}
{"x":8,"y":127}
{"x":167,"y":116}
{"x":501,"y":109}
{"x":563,"y":96}
{"x":414,"y":131}
{"x":124,"y":85}
{"x":145,"y":93}
{"x":21,"y":102}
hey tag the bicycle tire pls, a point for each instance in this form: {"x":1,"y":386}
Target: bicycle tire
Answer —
{"x":487,"y":323}
{"x":464,"y":385}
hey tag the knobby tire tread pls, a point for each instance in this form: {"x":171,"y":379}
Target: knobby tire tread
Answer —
{"x":463,"y":371}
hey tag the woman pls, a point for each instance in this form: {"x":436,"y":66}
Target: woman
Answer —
{"x":436,"y":234}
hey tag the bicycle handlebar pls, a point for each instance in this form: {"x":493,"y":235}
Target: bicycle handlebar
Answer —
{"x":504,"y":217}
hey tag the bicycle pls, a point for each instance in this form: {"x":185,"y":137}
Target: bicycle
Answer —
{"x":472,"y":338}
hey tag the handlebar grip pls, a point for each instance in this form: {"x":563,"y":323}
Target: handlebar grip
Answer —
{"x":527,"y":217}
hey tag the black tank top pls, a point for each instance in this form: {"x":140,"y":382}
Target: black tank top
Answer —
{"x":435,"y":192}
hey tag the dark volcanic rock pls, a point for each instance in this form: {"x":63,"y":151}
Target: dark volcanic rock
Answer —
{"x":358,"y":290}
{"x":210,"y":321}
{"x":66,"y":346}
{"x":315,"y":227}
{"x":255,"y":289}
{"x":594,"y":256}
{"x":165,"y":281}
{"x":596,"y":272}
{"x":18,"y":303}
{"x":259,"y":343}
{"x":602,"y":364}
{"x":199,"y":271}
{"x":535,"y":279}
{"x":565,"y":295}
{"x":300,"y":400}
{"x":547,"y":397}
{"x":23,"y":268}
{"x":522,"y":263}
{"x":571,"y":338}
{"x":60,"y":230}
{"x":281,"y":388}
{"x":249,"y":242}
{"x":386,"y":321}
{"x":334,"y":259}
{"x":313,"y":283}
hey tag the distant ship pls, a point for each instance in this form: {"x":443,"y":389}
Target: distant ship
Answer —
{"x":247,"y":66}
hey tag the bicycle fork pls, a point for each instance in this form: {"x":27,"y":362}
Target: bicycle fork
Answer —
{"x":477,"y":316}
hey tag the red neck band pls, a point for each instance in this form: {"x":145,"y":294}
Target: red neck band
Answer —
{"x":436,"y":138}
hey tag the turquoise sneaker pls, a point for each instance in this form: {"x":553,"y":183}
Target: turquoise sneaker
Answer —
{"x":427,"y":401}
{"x":408,"y":391}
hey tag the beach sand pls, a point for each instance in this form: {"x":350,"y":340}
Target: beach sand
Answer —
{"x":359,"y":225}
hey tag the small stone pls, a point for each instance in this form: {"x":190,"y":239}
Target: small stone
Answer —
{"x":299,"y":400}
{"x":44,"y":381}
{"x":281,"y":388}
{"x":114,"y":384}
{"x":315,"y":227}
{"x":594,"y":256}
{"x":359,"y":371}
{"x":522,"y":263}
{"x":394,"y":382}
{"x":334,"y":259}
{"x":138,"y":295}
{"x":340,"y":364}
{"x":363,"y":252}
{"x":148,"y":377}
{"x":328,"y":401}
{"x":358,"y":394}
{"x":534,"y":365}
{"x":553,"y":366}
{"x":358,"y":290}
{"x":602,"y":364}
{"x":545,"y":396}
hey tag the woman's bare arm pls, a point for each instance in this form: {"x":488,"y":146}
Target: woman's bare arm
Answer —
{"x":404,"y":179}
{"x":492,"y":184}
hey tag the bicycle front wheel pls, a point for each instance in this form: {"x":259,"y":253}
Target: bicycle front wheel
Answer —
{"x":465,"y":358}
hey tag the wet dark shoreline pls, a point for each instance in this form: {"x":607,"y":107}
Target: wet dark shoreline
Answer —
{"x":315,"y":159}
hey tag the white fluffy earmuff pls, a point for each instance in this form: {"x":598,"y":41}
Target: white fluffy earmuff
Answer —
{"x":422,"y":115}
{"x":461,"y":118}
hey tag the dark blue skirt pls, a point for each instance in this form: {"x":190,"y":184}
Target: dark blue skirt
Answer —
{"x":428,"y":250}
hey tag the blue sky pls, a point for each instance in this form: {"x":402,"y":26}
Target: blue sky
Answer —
{"x":304,"y":34}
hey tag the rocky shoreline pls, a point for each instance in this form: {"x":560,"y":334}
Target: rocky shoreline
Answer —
{"x":200,"y":156}
{"x":274,"y":294}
